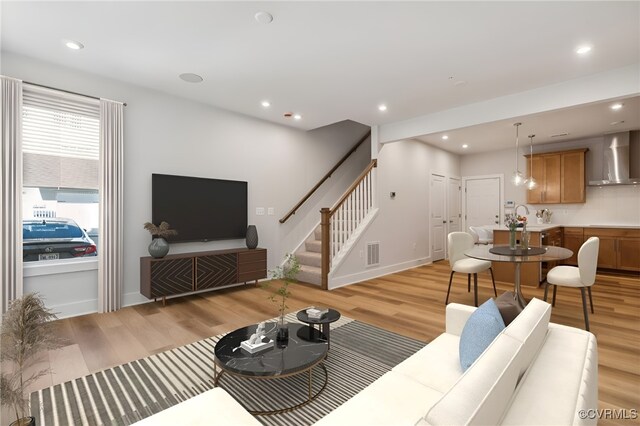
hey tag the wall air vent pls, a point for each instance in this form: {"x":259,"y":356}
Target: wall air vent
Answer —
{"x":559,"y":135}
{"x":373,"y":253}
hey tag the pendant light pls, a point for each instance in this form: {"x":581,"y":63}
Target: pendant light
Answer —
{"x":517,"y":179}
{"x":531,"y":183}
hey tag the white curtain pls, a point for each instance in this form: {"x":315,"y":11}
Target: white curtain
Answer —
{"x":110,"y":270}
{"x":11,"y":191}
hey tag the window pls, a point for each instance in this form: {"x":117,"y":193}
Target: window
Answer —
{"x":60,"y":143}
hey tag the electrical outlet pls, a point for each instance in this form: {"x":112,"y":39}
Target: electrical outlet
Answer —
{"x":270,"y":211}
{"x":361,"y":254}
{"x":260,"y":211}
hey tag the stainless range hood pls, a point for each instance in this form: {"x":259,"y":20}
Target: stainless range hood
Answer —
{"x":620,"y":159}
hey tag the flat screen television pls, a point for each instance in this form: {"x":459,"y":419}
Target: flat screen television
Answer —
{"x":200,"y":209}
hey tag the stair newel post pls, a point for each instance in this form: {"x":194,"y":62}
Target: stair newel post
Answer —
{"x":325,"y":222}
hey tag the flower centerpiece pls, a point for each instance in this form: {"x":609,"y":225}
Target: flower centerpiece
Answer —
{"x":285,"y":274}
{"x":514,"y":221}
{"x":159,"y":246}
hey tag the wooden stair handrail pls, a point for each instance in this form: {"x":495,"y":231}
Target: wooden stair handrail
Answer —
{"x":354,"y":185}
{"x":327,"y":176}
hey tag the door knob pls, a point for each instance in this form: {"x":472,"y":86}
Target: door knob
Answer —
{"x":444,"y":221}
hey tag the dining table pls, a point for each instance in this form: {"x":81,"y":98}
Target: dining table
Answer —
{"x":518,"y":256}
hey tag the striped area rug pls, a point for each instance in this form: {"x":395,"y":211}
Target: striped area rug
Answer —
{"x":360,"y":353}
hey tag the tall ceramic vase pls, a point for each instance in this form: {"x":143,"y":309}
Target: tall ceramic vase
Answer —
{"x":252,"y":237}
{"x":158,"y":248}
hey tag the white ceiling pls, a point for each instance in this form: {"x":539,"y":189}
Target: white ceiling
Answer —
{"x":580,"y":122}
{"x":331,"y":61}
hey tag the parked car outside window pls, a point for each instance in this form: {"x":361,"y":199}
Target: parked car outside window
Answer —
{"x":55,"y":238}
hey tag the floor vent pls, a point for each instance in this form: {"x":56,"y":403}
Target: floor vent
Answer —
{"x":373,"y":253}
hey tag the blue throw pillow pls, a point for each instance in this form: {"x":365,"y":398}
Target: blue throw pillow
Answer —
{"x":482,"y":327}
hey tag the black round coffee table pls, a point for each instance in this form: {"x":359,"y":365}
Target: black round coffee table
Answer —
{"x":328,"y":318}
{"x":305,"y":349}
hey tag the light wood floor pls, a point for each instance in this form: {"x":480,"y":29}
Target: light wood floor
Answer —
{"x":410,"y":303}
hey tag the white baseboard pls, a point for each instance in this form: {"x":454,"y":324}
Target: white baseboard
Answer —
{"x":336,"y":282}
{"x":75,"y":309}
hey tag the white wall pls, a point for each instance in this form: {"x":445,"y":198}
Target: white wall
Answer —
{"x":608,"y":205}
{"x":404,"y":167}
{"x":166,"y":134}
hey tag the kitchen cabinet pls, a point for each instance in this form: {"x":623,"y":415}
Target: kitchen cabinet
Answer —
{"x":572,"y":238}
{"x":560,"y":177}
{"x":572,"y":177}
{"x":619,"y":247}
{"x":551,"y":237}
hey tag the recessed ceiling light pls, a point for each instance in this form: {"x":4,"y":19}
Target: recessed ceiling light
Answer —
{"x":445,"y":137}
{"x":266,"y":104}
{"x":263,"y":17}
{"x":382,"y":107}
{"x":297,"y":117}
{"x":465,"y":146}
{"x":74,"y":45}
{"x":583,"y":50}
{"x":616,"y":106}
{"x":191,"y":78}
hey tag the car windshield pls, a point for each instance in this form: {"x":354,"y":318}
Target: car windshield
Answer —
{"x":50,"y":230}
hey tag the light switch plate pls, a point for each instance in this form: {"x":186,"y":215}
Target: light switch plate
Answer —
{"x":270,"y":211}
{"x":260,"y":211}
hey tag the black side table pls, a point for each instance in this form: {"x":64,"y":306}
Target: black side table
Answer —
{"x":324,"y":321}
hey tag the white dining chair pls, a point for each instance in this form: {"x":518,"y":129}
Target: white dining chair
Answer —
{"x":583,"y":276}
{"x":458,"y":243}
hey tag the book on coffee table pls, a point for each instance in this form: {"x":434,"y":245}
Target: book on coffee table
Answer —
{"x":317,"y":312}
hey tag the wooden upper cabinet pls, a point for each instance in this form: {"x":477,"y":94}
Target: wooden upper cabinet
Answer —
{"x":572,"y":180}
{"x":537,"y":165}
{"x":560,"y":177}
{"x":552,"y":174}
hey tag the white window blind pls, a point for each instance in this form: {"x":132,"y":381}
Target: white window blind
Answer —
{"x":60,"y":124}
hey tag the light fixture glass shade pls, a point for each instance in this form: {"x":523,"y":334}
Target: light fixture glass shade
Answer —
{"x":517,"y":178}
{"x":531,"y":183}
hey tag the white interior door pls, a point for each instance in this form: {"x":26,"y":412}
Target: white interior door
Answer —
{"x":438,"y":218}
{"x":454,"y":201}
{"x":482,"y":201}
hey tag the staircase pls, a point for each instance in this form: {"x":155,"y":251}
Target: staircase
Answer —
{"x":340,"y":225}
{"x":310,"y":259}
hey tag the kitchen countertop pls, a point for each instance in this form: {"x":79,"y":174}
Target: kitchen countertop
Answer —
{"x":547,"y":226}
{"x":532,"y":228}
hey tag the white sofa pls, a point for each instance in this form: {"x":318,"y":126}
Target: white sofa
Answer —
{"x":533,"y":373}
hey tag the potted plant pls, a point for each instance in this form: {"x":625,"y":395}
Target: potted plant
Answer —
{"x":159,"y":247}
{"x":25,"y":333}
{"x":285,"y":274}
